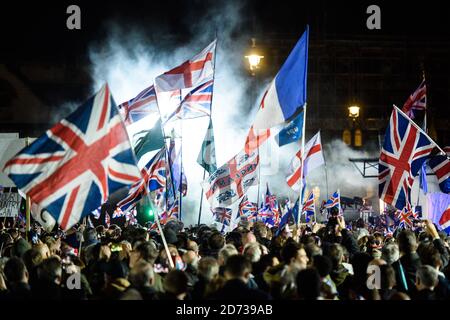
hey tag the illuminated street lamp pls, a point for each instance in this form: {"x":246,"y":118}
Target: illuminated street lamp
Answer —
{"x":353,"y":112}
{"x":254,"y":58}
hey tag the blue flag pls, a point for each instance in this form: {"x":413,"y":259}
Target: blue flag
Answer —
{"x":423,"y":178}
{"x":292,"y":132}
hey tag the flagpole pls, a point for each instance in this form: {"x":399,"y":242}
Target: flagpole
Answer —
{"x":180,"y":191}
{"x":302,"y":151}
{"x":201,"y":199}
{"x":147,"y":194}
{"x":210,"y":120}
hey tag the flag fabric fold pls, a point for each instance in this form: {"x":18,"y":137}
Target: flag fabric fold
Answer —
{"x":207,"y":156}
{"x":74,"y":167}
{"x":287,"y":91}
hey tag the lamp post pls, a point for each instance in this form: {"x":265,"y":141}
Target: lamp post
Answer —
{"x":353,"y":113}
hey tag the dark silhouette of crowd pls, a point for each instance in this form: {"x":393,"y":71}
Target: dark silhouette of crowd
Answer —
{"x":337,"y":261}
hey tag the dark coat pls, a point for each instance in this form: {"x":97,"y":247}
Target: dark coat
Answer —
{"x":238,"y":290}
{"x":410,"y":263}
{"x":17,"y":291}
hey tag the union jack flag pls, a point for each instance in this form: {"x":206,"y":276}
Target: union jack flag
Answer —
{"x":154,"y":178}
{"x":222,"y":215}
{"x":405,"y":217}
{"x":334,"y":201}
{"x":118,"y":213}
{"x":141,"y":106}
{"x":197,"y":103}
{"x":130,"y":216}
{"x":247,"y":209}
{"x":406,"y":147}
{"x":75,"y":165}
{"x":441,"y":167}
{"x":416,"y":101}
{"x":308,"y":206}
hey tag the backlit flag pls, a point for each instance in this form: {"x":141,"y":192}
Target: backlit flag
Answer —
{"x":291,"y":132}
{"x":231,"y":181}
{"x":417,"y":102}
{"x":334,"y":201}
{"x":438,"y":209}
{"x":406,"y":147}
{"x":74,"y":167}
{"x":314,"y":159}
{"x":440,"y":164}
{"x":255,"y":139}
{"x":189,"y":74}
{"x":287,"y":91}
{"x":207,"y":156}
{"x":141,"y":106}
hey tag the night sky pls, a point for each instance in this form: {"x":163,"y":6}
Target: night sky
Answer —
{"x":36,"y":30}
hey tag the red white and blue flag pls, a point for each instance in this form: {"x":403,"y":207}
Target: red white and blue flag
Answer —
{"x":141,"y":106}
{"x":416,"y":101}
{"x":334,"y":201}
{"x":222,"y":215}
{"x":308,"y":206}
{"x":73,"y":168}
{"x":314,"y":159}
{"x":154,"y":178}
{"x":247,"y":209}
{"x":196,"y":104}
{"x":406,"y":147}
{"x":405,"y":217}
{"x":440,"y":165}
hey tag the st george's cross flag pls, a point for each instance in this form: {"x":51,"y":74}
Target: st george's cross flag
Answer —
{"x":287,"y":91}
{"x":406,"y":147}
{"x":314,"y":159}
{"x":73,"y":168}
{"x":231,"y":181}
{"x":255,"y":139}
{"x":190,"y":73}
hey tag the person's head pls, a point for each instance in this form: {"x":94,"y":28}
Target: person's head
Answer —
{"x":190,"y":258}
{"x":142,"y":274}
{"x":16,"y":271}
{"x":426,"y":278}
{"x":312,"y":249}
{"x":54,"y":245}
{"x":192,"y":245}
{"x":226,"y":252}
{"x":90,"y":235}
{"x":176,"y":283}
{"x":216,"y":241}
{"x":248,"y":237}
{"x":252,"y":251}
{"x":308,"y":284}
{"x":50,"y":270}
{"x":429,"y":255}
{"x":238,"y":267}
{"x":323,"y":265}
{"x":294,"y":255}
{"x":208,"y":268}
{"x":407,"y":242}
{"x":336,"y":255}
{"x":145,"y":251}
{"x":390,"y":252}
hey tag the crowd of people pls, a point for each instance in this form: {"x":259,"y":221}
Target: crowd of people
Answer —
{"x":309,"y":261}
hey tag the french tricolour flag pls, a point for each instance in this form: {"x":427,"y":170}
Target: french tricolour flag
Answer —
{"x":287,"y":91}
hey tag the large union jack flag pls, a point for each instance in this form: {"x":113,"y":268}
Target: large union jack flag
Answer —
{"x":441,"y":167}
{"x":154,"y":178}
{"x":416,"y":101}
{"x":77,"y":164}
{"x":406,"y":147}
{"x":141,"y":106}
